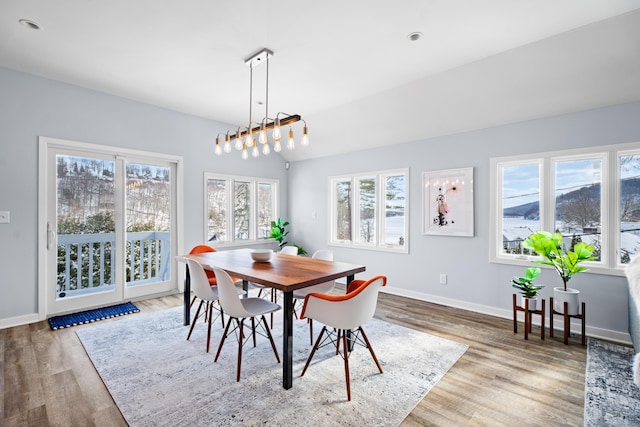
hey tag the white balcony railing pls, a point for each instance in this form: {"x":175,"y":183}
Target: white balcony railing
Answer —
{"x":86,"y":262}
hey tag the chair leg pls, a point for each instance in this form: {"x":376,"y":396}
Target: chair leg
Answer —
{"x":345,"y":352}
{"x":209,"y":325}
{"x":193,"y":323}
{"x":241,"y":321}
{"x":313,"y":350}
{"x":273,"y":300}
{"x":273,"y":344}
{"x":253,"y":330}
{"x":366,"y":340}
{"x":222,"y":339}
{"x":310,"y":331}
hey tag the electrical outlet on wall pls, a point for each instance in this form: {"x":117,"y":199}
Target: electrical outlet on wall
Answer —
{"x":443,"y":279}
{"x":4,"y":217}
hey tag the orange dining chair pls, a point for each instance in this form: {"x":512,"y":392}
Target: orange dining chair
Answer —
{"x":239,"y":309}
{"x":345,"y":314}
{"x":322,"y":288}
{"x":201,"y":249}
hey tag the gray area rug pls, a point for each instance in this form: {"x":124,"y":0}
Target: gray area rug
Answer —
{"x":611,"y":398}
{"x":157,"y":378}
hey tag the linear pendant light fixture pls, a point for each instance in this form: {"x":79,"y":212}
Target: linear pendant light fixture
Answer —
{"x":244,"y":138}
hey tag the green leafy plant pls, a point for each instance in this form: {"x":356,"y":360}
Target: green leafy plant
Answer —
{"x":565,"y":262}
{"x":525,"y":284}
{"x":278,"y":231}
{"x":301,"y":250}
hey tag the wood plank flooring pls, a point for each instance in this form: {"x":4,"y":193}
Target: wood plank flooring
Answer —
{"x":46,"y":378}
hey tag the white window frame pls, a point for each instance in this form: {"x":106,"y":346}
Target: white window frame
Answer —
{"x":378,"y":241}
{"x":610,"y":202}
{"x":230,"y":181}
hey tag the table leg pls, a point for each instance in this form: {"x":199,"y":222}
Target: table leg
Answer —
{"x":287,"y":341}
{"x":187,"y":298}
{"x":348,"y":332}
{"x":245,"y":288}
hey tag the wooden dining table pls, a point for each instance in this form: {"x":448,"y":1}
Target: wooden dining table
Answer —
{"x":285,"y":273}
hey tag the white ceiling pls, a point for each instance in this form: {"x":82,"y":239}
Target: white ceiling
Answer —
{"x":346,"y":66}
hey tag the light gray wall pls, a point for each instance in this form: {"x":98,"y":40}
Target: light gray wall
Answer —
{"x":473,"y":280}
{"x":31,"y":106}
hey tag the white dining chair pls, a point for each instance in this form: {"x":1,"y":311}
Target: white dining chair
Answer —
{"x":323,"y":288}
{"x":206,"y":293}
{"x":343,"y":317}
{"x":239,"y":309}
{"x":289,"y":250}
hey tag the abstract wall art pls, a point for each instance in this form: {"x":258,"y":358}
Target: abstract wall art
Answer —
{"x":448,"y":202}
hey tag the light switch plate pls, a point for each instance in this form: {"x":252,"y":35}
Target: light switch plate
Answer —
{"x":4,"y":217}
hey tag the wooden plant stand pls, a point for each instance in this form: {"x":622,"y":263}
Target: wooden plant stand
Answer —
{"x":567,"y":317}
{"x":527,"y":317}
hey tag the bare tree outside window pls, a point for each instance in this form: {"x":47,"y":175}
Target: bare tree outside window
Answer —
{"x":578,"y":200}
{"x":241,"y":210}
{"x":343,"y":210}
{"x":367,"y":205}
{"x":394,"y":210}
{"x":216,"y":210}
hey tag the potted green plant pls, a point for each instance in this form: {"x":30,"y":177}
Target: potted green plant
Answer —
{"x":566,"y":263}
{"x":527,"y":288}
{"x":279,"y":232}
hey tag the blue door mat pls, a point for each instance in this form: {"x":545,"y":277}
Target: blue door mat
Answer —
{"x":67,"y":320}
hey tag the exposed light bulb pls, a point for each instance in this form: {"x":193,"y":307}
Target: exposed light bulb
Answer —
{"x":265,"y":149}
{"x":255,"y":152}
{"x":276,"y":129}
{"x":276,"y":146}
{"x":218,"y":149}
{"x":238,"y":141}
{"x":262,"y":136}
{"x":245,"y":155}
{"x":305,"y":137}
{"x":227,"y":145}
{"x":291,"y":143}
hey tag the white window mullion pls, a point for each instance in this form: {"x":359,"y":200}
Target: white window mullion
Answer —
{"x":120,"y":220}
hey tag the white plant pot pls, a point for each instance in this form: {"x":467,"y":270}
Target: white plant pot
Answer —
{"x":532,"y":302}
{"x":572,"y":296}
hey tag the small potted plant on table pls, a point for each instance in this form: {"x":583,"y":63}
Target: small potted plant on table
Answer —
{"x":526,"y":287}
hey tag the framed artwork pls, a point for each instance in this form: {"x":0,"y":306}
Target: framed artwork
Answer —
{"x":448,"y":202}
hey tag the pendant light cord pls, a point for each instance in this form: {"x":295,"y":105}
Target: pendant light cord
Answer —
{"x":250,"y":91}
{"x":266,"y":108}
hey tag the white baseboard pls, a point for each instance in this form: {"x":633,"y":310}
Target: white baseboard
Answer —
{"x":576,"y":327}
{"x":19,"y":320}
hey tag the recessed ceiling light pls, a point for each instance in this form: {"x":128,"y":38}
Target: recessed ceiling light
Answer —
{"x":29,"y":24}
{"x":415,"y":36}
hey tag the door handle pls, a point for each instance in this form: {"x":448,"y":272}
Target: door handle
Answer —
{"x":50,"y":235}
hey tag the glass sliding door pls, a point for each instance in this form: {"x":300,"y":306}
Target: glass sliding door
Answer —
{"x":148,"y":227}
{"x":110,"y":226}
